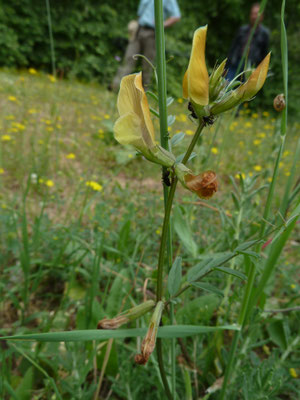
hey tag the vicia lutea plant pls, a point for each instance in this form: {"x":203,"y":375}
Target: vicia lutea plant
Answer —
{"x":208,"y":97}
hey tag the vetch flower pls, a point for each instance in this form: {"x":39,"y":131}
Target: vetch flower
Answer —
{"x":195,"y":82}
{"x":135,"y":127}
{"x":214,"y":95}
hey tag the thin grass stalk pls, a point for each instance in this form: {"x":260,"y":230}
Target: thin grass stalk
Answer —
{"x":51,"y":38}
{"x":246,"y":50}
{"x":248,"y":300}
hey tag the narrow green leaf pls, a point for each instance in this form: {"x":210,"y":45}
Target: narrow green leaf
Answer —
{"x":177,"y":138}
{"x":208,"y":264}
{"x":184,"y":231}
{"x":208,"y":288}
{"x":233,"y":272}
{"x":246,"y":245}
{"x":170,"y":101}
{"x":171,"y":120}
{"x":168,"y":331}
{"x":249,"y":253}
{"x":175,"y":275}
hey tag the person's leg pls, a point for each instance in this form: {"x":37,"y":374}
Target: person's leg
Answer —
{"x":148,"y":50}
{"x":129,"y":62}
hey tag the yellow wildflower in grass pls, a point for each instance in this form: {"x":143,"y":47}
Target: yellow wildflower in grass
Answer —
{"x":214,"y":150}
{"x":100,"y":131}
{"x":293,"y":373}
{"x":10,"y":117}
{"x":58,"y":126}
{"x":281,"y":164}
{"x":254,"y":115}
{"x":94,"y":185}
{"x":49,"y":183}
{"x":269,"y":179}
{"x":248,"y":124}
{"x":106,"y":116}
{"x":48,"y":122}
{"x":189,"y":132}
{"x":32,"y":111}
{"x":293,"y":286}
{"x":169,"y":128}
{"x":181,"y":118}
{"x":158,"y":231}
{"x":233,"y":125}
{"x":261,"y":135}
{"x":266,"y":114}
{"x":49,"y":129}
{"x":130,"y":155}
{"x":52,"y":78}
{"x":32,"y":71}
{"x":180,"y":100}
{"x":237,"y":176}
{"x":1,"y":171}
{"x":242,"y":143}
{"x":71,"y":156}
{"x":285,"y":153}
{"x":5,"y":138}
{"x":257,"y":168}
{"x":287,"y":173}
{"x":256,"y":142}
{"x":249,"y":153}
{"x":12,"y":98}
{"x":268,"y":126}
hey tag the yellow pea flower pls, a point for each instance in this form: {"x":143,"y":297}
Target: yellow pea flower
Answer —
{"x":195,"y":81}
{"x":213,"y":95}
{"x":135,"y":127}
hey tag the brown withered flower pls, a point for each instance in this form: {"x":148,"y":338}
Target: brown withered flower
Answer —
{"x":113,"y":323}
{"x":148,"y":344}
{"x":204,"y":185}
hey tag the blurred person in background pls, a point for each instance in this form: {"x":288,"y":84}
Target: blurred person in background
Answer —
{"x":142,"y":39}
{"x":259,"y":46}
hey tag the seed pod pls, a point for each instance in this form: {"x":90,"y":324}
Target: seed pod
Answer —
{"x":279,"y":102}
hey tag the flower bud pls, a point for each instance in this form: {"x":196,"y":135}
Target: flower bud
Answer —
{"x":279,"y":102}
{"x":128,"y":315}
{"x":148,"y":344}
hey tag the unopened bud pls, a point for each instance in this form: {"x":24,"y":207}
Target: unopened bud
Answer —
{"x":279,"y":102}
{"x":128,"y":315}
{"x":148,"y":344}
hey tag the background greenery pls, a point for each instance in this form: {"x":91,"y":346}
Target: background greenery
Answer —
{"x":89,"y":36}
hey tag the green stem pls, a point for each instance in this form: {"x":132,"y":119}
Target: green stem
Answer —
{"x":163,"y":122}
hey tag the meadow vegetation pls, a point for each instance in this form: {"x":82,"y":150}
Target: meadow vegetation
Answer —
{"x":80,"y":224}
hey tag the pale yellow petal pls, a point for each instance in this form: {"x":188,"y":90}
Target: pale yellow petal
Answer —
{"x":127,"y":131}
{"x":197,"y":72}
{"x":132,"y":99}
{"x":148,"y":135}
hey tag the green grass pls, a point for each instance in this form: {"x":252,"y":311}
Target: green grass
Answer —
{"x":73,"y":253}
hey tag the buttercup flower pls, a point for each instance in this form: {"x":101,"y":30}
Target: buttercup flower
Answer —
{"x":214,"y":95}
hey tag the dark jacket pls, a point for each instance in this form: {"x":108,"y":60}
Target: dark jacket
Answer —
{"x":259,"y":46}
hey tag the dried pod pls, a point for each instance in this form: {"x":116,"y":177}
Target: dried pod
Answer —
{"x":279,"y":102}
{"x":204,"y":185}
